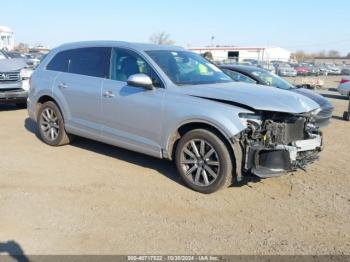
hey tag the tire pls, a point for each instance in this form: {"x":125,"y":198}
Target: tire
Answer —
{"x":197,"y":167}
{"x":346,"y":116}
{"x":51,"y":125}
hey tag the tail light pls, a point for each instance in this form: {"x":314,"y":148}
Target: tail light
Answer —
{"x":343,"y":81}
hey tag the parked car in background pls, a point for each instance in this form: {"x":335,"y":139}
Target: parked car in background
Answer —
{"x":333,"y":69}
{"x":302,"y":70}
{"x":345,"y":71}
{"x":33,"y":59}
{"x":286,"y":70}
{"x":259,"y":76}
{"x":15,"y":54}
{"x":313,"y":70}
{"x":267,"y":66}
{"x":3,"y":55}
{"x":14,"y":80}
{"x":170,"y":103}
{"x":323,"y":70}
{"x":344,"y":86}
{"x":253,"y":62}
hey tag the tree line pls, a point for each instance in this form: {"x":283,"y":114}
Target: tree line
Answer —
{"x":301,"y":55}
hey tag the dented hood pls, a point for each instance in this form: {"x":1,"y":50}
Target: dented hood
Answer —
{"x":253,"y":96}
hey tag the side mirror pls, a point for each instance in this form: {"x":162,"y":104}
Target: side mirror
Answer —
{"x":140,"y":80}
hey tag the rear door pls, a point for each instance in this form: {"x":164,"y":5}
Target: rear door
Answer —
{"x":78,"y":88}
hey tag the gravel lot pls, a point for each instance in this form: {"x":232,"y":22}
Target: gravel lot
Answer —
{"x":91,"y":198}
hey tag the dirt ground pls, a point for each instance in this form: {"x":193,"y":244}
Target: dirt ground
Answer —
{"x":91,"y":198}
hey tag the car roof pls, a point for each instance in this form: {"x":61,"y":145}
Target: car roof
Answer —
{"x":135,"y":46}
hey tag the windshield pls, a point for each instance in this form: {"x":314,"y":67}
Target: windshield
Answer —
{"x":2,"y":55}
{"x":187,"y":68}
{"x":272,"y":79}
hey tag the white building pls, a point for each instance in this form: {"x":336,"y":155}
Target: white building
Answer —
{"x":7,"y":40}
{"x":241,"y":53}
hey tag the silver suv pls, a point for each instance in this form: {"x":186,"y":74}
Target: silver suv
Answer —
{"x":170,"y":103}
{"x":14,"y":80}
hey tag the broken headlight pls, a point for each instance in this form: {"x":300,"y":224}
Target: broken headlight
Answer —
{"x":250,"y":119}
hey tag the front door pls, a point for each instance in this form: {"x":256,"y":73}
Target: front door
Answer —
{"x":132,"y":116}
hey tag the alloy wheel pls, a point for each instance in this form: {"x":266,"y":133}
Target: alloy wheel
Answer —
{"x":200,"y":162}
{"x":49,"y":124}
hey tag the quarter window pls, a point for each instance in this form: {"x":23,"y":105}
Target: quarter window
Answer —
{"x":91,"y":61}
{"x":59,"y":62}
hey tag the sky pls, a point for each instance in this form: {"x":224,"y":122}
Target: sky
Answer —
{"x":308,"y":25}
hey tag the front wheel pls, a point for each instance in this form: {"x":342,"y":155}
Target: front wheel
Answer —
{"x":204,"y":161}
{"x":51,"y":125}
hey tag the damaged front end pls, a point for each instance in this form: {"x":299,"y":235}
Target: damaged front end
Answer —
{"x":275,"y":143}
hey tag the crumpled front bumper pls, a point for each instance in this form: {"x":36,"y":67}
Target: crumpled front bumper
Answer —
{"x":270,"y":162}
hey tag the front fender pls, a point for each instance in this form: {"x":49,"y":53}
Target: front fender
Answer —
{"x":222,"y":117}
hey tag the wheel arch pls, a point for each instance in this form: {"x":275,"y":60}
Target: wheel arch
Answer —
{"x":232,"y":143}
{"x":187,"y":126}
{"x":46,"y":98}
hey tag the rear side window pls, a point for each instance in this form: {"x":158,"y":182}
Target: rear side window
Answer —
{"x":92,"y":61}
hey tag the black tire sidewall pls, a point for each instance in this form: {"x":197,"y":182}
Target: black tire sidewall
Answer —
{"x":61,"y":132}
{"x":223,"y":154}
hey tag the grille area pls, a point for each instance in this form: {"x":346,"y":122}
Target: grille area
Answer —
{"x":10,"y":90}
{"x":9,"y":77}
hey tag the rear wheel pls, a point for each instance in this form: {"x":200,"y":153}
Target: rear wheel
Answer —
{"x":51,"y":125}
{"x":203,"y":161}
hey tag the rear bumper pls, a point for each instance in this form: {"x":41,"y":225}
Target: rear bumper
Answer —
{"x":270,"y":162}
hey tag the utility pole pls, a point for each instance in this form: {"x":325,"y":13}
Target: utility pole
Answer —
{"x":212,"y":41}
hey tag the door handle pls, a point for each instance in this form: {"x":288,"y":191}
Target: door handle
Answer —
{"x":62,"y":85}
{"x":108,"y":94}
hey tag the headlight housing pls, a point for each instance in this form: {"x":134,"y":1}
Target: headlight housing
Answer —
{"x":25,"y":73}
{"x":250,"y":119}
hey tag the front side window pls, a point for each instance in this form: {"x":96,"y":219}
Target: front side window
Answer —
{"x":90,"y":61}
{"x":238,"y":77}
{"x":125,"y":63}
{"x":187,"y":68}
